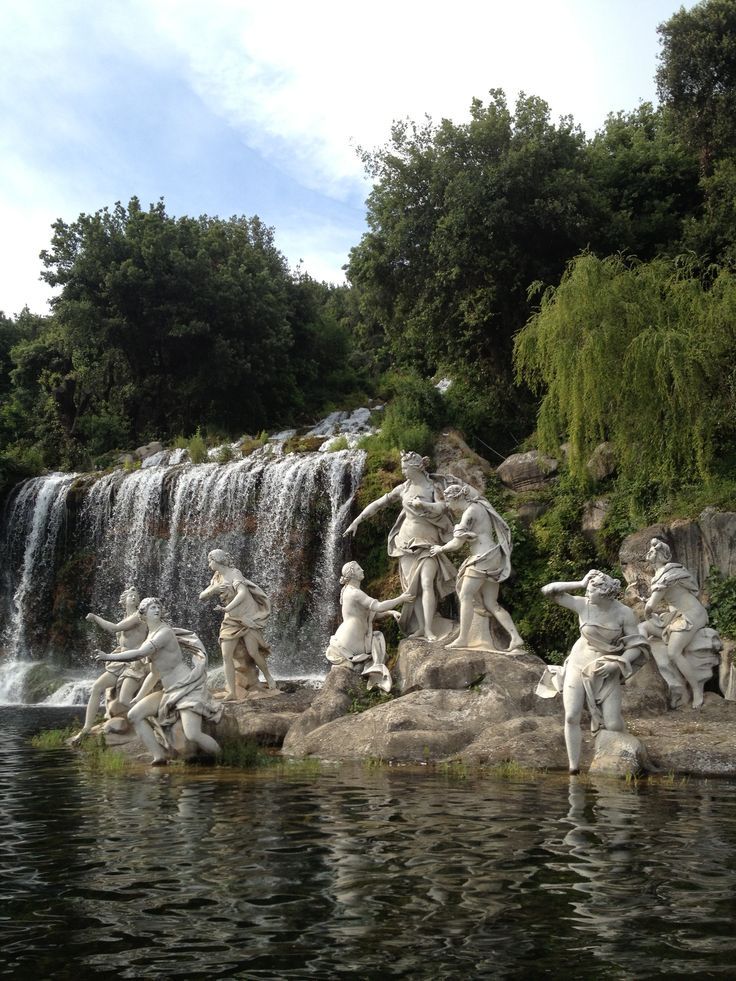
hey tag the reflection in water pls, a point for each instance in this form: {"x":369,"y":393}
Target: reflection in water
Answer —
{"x":357,"y":872}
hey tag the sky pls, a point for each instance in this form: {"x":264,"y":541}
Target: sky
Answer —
{"x":244,"y":107}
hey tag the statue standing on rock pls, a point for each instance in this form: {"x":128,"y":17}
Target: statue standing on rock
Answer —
{"x":610,"y":649}
{"x":355,"y":641}
{"x":685,"y":648}
{"x":488,"y":536}
{"x":246,"y":608}
{"x":423,"y":522}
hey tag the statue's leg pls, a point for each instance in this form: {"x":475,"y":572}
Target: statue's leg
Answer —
{"x":427,"y":577}
{"x":469,"y":588}
{"x":678,"y":642}
{"x":105,"y":681}
{"x":138,"y":716}
{"x":128,"y":689}
{"x":254,"y":651}
{"x":490,"y":601}
{"x":573,"y":699}
{"x":613,"y":720}
{"x":228,"y":647}
{"x":191,"y":723}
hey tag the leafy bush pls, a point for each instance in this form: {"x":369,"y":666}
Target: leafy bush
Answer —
{"x":197,"y":448}
{"x":722,"y":592}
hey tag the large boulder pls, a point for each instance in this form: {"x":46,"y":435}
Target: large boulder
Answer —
{"x":528,"y":471}
{"x":602,"y":462}
{"x":342,"y":686}
{"x":619,"y":754}
{"x":532,"y":741}
{"x":265,"y":716}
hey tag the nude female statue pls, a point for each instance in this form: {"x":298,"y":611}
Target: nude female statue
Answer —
{"x":355,"y":640}
{"x":489,"y":564}
{"x":610,"y":649}
{"x":246,"y":608}
{"x":184,"y":696}
{"x":126,"y":678}
{"x":423,"y":522}
{"x":692,"y":650}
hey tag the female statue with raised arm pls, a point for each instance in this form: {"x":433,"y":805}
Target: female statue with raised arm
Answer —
{"x":488,"y":537}
{"x":185,"y":695}
{"x":246,"y":608}
{"x":125,"y":678}
{"x":610,"y":649}
{"x":422,"y":522}
{"x":692,"y":649}
{"x":355,"y":640}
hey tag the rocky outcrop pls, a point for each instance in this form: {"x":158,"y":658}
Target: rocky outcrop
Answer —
{"x":528,"y":471}
{"x":453,"y":455}
{"x":602,"y":462}
{"x":593,"y":517}
{"x":342,"y":686}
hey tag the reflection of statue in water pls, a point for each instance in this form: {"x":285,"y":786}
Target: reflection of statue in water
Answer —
{"x":685,"y":648}
{"x":246,"y":608}
{"x":185,"y":696}
{"x":422,"y":523}
{"x":123,"y":679}
{"x":488,"y":564}
{"x":355,"y":641}
{"x":610,"y":649}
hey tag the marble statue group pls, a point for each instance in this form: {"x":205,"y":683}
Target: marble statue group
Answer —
{"x":155,"y":678}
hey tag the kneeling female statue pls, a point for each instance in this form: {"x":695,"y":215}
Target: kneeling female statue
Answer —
{"x":355,"y":641}
{"x":610,"y":649}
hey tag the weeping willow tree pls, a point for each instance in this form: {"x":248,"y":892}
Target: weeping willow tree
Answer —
{"x":641,"y":354}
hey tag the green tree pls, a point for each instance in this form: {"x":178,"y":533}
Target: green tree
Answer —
{"x":696,"y":78}
{"x":640,"y":354}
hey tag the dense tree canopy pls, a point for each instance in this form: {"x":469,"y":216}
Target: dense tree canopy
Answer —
{"x":163,"y":325}
{"x":696,"y":77}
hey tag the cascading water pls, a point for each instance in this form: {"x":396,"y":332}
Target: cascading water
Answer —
{"x":281,"y":516}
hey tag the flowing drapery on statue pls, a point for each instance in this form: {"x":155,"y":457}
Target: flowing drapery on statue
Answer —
{"x":609,"y":650}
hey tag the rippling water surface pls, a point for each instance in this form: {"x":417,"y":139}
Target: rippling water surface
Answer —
{"x":355,"y":872}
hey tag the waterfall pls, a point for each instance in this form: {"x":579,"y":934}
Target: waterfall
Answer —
{"x":280,"y":515}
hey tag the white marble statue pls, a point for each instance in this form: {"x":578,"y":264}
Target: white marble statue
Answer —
{"x":610,"y":649}
{"x":424,"y":521}
{"x":246,"y":608}
{"x":123,"y":679}
{"x":184,"y":696}
{"x":685,"y":648}
{"x":488,"y":538}
{"x":355,"y":641}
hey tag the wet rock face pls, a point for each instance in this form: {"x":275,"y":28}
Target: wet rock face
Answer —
{"x":341,"y":686}
{"x":619,"y":754}
{"x":528,"y":471}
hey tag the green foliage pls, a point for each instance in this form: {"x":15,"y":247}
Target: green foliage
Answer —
{"x":225,"y":453}
{"x":365,"y":700}
{"x":250,"y":444}
{"x":636,"y":353}
{"x":722,"y":592}
{"x":552,"y":549}
{"x":55,"y":738}
{"x":197,"y":448}
{"x":242,"y":753}
{"x":303,"y":444}
{"x":412,"y":416}
{"x":696,"y":78}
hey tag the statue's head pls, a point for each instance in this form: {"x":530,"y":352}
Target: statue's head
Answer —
{"x":659,"y":550}
{"x":221,"y":557}
{"x":151,"y":605}
{"x":130,"y":595}
{"x":458,"y":495}
{"x":413,"y":461}
{"x":602,"y":585}
{"x":350,"y":571}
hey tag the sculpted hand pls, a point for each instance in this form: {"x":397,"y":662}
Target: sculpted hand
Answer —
{"x":90,"y":618}
{"x":351,"y":528}
{"x":407,"y":597}
{"x":436,"y":549}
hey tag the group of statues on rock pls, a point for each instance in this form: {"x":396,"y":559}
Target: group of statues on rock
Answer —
{"x":157,"y":674}
{"x":438,"y":515}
